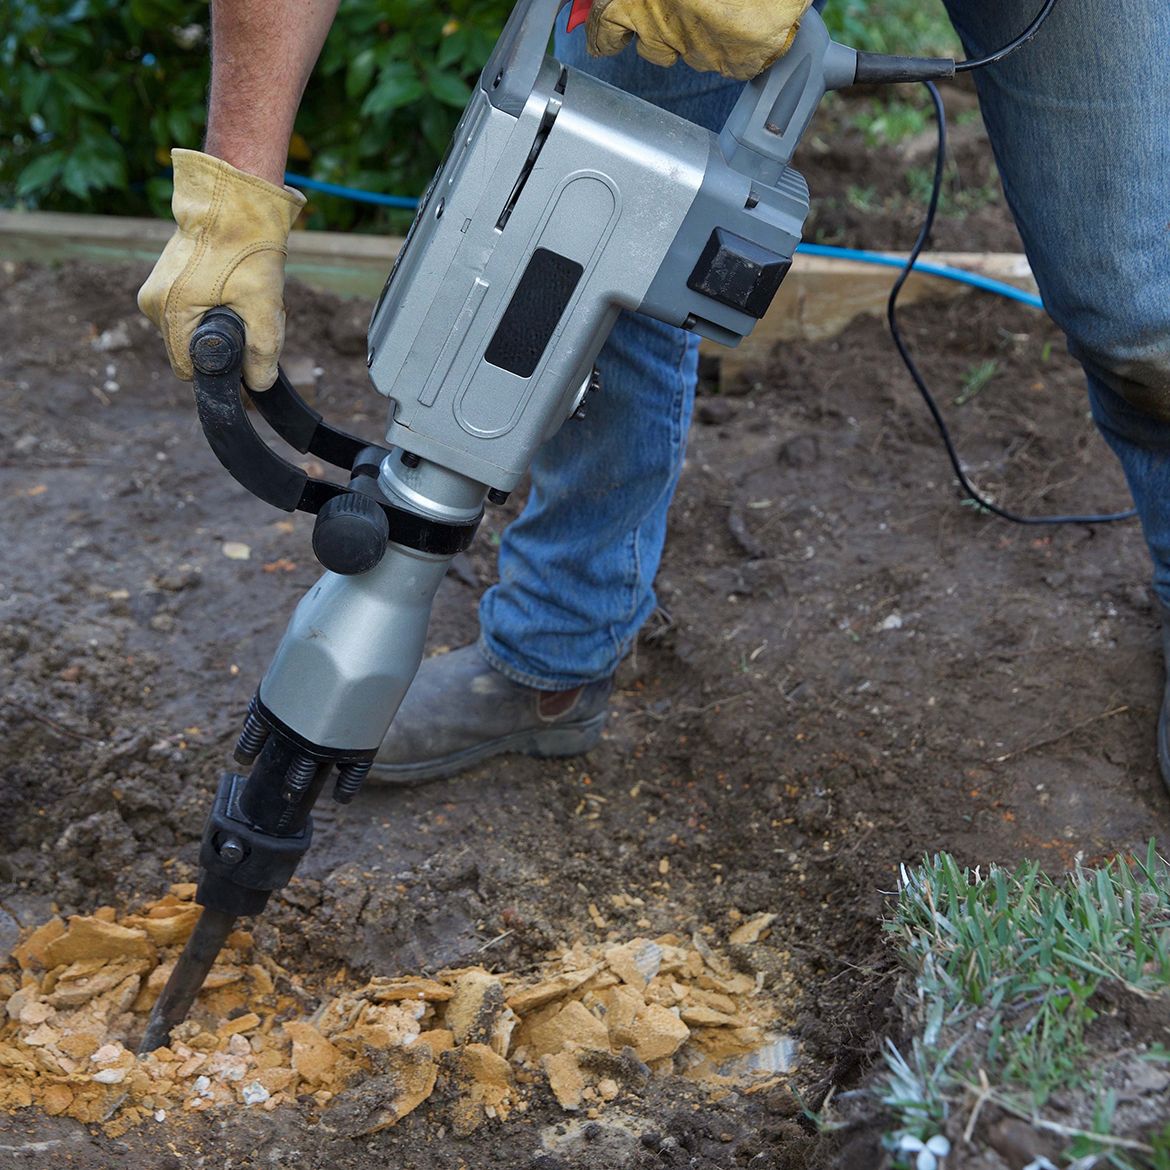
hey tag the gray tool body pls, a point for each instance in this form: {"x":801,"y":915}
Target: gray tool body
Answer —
{"x":562,"y":201}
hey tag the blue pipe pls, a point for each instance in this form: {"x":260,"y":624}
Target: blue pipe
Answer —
{"x":350,"y":193}
{"x":945,"y":272}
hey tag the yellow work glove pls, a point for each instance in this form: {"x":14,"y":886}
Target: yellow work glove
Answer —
{"x":229,"y":250}
{"x":738,"y":38}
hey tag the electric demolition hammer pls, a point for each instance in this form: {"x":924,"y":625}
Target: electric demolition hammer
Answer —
{"x":561,"y":201}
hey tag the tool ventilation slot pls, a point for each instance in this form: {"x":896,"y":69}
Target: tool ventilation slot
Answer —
{"x":546,"y":125}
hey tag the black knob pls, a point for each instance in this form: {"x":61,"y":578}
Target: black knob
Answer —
{"x":351,"y":534}
{"x":218,"y":342}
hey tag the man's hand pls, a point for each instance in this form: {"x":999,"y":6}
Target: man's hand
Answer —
{"x":229,"y":249}
{"x":738,"y":38}
{"x":233,"y":214}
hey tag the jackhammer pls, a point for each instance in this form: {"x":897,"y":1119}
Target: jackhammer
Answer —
{"x":561,"y":202}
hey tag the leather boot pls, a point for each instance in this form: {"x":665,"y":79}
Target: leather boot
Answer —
{"x":460,"y":711}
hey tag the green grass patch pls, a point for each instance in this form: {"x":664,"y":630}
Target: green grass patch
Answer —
{"x":917,"y":28}
{"x":1010,"y":970}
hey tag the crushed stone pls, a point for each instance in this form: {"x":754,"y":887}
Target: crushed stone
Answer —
{"x":589,"y":1024}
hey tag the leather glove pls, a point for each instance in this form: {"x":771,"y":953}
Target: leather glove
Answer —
{"x":738,"y":38}
{"x":229,"y":250}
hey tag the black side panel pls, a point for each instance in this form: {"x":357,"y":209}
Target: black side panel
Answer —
{"x":537,"y":306}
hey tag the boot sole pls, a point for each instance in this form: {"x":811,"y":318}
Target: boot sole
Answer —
{"x":573,"y":739}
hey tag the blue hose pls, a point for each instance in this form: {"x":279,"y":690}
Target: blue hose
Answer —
{"x":984,"y":283}
{"x":351,"y":193}
{"x":942,"y":270}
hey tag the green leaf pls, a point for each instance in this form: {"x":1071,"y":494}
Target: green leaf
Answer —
{"x":360,"y":74}
{"x":397,"y":86}
{"x":40,"y":173}
{"x":447,"y":87}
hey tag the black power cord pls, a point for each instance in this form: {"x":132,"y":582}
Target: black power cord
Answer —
{"x":965,"y":483}
{"x":878,"y":68}
{"x":1009,"y":49}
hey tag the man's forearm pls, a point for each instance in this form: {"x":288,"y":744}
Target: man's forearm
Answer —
{"x":262,"y":52}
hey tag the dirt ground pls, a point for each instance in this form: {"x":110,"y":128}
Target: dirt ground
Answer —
{"x":848,"y":670}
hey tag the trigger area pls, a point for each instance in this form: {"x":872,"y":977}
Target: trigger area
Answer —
{"x":579,"y":13}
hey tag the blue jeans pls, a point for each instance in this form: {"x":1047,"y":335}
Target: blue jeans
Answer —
{"x":1080,"y":122}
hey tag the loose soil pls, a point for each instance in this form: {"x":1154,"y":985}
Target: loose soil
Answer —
{"x":848,"y":670}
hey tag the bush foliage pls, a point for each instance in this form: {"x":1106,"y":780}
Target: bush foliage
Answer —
{"x":95,"y":93}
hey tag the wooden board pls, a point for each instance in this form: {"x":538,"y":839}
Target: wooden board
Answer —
{"x":821,"y":297}
{"x":818,"y":300}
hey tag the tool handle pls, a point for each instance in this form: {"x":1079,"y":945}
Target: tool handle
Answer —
{"x":510,"y":74}
{"x":764,"y":129}
{"x":766,"y":125}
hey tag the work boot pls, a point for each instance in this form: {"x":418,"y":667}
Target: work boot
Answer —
{"x":1164,"y":715}
{"x":460,"y":711}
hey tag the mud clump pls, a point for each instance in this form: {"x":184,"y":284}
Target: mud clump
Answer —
{"x":592,"y":1022}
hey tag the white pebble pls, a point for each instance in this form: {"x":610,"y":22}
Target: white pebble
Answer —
{"x":160,"y":1115}
{"x":254,"y":1094}
{"x":202,"y":1086}
{"x":107,"y":1054}
{"x":110,"y":1076}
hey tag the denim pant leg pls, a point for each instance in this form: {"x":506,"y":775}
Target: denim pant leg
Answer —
{"x":1080,"y":123}
{"x":577,"y":567}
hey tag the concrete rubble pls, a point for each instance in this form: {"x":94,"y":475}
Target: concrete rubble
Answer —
{"x":590,"y":1025}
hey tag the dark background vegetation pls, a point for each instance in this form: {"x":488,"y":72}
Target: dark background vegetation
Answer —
{"x":95,"y":93}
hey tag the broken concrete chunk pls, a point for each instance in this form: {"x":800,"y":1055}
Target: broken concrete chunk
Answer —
{"x":485,"y":1081}
{"x":94,"y":938}
{"x":244,"y":1023}
{"x":71,"y":992}
{"x":56,"y":1099}
{"x":438,"y":1040}
{"x":313,"y":1056}
{"x":658,"y":1033}
{"x":395,"y":990}
{"x":472,"y":1011}
{"x":528,"y":999}
{"x":167,"y":925}
{"x":573,"y":1024}
{"x":636,"y":962}
{"x":565,"y":1079}
{"x":31,"y":952}
{"x":705,"y":1017}
{"x":752,"y":930}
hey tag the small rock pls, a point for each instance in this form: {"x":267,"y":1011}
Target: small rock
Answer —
{"x":752,"y":930}
{"x":473,"y":1009}
{"x":313,"y":1056}
{"x":565,"y":1079}
{"x":574,"y":1023}
{"x":254,"y":1093}
{"x":113,"y":339}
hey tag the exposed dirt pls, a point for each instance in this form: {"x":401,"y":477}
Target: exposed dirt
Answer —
{"x":870,"y":187}
{"x":849,"y":670}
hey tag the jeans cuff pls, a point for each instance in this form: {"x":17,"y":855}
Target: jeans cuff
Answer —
{"x":501,"y":665}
